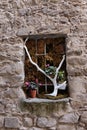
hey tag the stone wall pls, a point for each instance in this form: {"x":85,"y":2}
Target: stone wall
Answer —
{"x":17,"y":19}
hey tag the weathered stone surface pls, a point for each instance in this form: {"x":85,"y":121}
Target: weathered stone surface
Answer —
{"x":80,"y":128}
{"x":84,"y":117}
{"x":46,"y":106}
{"x":60,"y":112}
{"x":2,"y":81}
{"x":23,"y":128}
{"x":66,"y":127}
{"x":1,"y":121}
{"x":23,"y":12}
{"x":75,"y":61}
{"x":10,"y":93}
{"x":46,"y":122}
{"x":20,"y":93}
{"x":11,"y":122}
{"x":28,"y":122}
{"x":70,"y":118}
{"x":36,"y":128}
{"x":78,"y":87}
{"x":76,"y":67}
{"x":52,"y":128}
{"x":18,"y":18}
{"x":2,"y":108}
{"x":76,"y":104}
{"x":23,"y":32}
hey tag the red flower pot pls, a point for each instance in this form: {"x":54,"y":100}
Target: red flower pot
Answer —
{"x":33,"y":93}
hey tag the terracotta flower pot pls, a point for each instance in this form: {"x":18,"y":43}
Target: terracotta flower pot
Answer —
{"x":33,"y":93}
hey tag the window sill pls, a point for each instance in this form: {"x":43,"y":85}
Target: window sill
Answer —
{"x":40,"y":100}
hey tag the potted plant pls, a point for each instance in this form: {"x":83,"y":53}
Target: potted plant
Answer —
{"x":32,"y":88}
{"x":51,"y":70}
{"x":61,"y":75}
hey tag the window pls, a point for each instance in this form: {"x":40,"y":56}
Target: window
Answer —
{"x":47,"y":52}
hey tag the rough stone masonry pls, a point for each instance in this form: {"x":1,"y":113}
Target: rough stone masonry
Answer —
{"x":17,"y":19}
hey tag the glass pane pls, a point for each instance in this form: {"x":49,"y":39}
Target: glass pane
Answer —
{"x":49,"y":45}
{"x":40,"y":46}
{"x":57,"y":59}
{"x":58,"y":46}
{"x":32,"y":49}
{"x":30,"y":72}
{"x":41,"y":61}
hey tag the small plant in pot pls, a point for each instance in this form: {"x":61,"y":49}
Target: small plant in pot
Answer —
{"x":32,"y":87}
{"x":51,"y":70}
{"x":61,"y":76}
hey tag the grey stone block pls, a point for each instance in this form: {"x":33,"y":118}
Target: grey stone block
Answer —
{"x":11,"y":122}
{"x":46,"y":122}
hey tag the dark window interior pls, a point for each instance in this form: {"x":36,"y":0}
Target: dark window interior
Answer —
{"x":45,"y":50}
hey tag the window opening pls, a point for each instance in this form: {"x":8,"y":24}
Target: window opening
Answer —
{"x":47,"y":53}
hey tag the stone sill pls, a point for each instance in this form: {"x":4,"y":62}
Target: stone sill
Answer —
{"x":44,"y":107}
{"x":40,"y":100}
